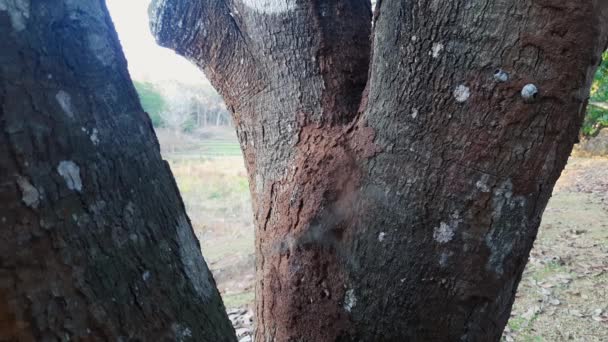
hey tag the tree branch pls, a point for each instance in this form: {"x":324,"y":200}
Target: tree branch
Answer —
{"x":240,"y":43}
{"x":207,"y":34}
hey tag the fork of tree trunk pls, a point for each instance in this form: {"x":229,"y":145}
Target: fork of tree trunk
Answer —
{"x":399,"y":165}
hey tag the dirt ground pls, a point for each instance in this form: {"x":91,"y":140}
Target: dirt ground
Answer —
{"x":563,"y":295}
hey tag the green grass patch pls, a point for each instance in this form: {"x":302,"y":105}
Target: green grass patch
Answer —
{"x":238,"y":299}
{"x":517,"y":324}
{"x":549,"y":269}
{"x":234,"y":245}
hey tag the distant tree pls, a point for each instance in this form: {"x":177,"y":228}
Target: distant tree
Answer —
{"x":599,"y":89}
{"x":181,"y":106}
{"x":597,"y":112}
{"x":152,"y":101}
{"x":178,"y":113}
{"x":206,"y":107}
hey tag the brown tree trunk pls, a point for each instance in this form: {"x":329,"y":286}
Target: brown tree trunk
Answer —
{"x":405,"y":211}
{"x":95,"y":244}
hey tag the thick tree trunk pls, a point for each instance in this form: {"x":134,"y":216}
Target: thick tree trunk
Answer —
{"x":405,"y":211}
{"x":95,"y":243}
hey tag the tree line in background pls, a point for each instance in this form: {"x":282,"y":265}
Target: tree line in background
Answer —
{"x":182,"y":107}
{"x":597,"y":112}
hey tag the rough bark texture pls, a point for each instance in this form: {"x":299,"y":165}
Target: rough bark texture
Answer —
{"x":405,"y":211}
{"x":95,"y":242}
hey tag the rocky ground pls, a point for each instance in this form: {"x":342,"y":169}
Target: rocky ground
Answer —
{"x":242,"y":320}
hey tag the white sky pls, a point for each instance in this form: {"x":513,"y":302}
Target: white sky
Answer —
{"x":148,"y":61}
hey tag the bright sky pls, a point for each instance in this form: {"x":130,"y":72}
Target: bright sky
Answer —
{"x":148,"y":61}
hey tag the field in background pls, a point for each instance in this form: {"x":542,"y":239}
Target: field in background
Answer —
{"x":209,"y":170}
{"x":563,"y":295}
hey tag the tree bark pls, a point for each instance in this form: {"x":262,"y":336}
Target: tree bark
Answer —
{"x":398,"y":183}
{"x":95,"y":241}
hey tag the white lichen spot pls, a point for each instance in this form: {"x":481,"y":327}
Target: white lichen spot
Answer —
{"x":414,"y":113}
{"x":29,"y":194}
{"x":436,"y":50}
{"x":101,"y":48}
{"x":381,"y":236}
{"x":19,"y":12}
{"x":444,"y":233}
{"x":529,"y":92}
{"x":65,"y":101}
{"x":271,"y":6}
{"x":146,"y":276}
{"x":444,"y":258}
{"x":482,"y":184}
{"x":501,"y":76}
{"x":192,"y":260}
{"x":95,"y":136}
{"x":350,"y":300}
{"x":508,"y":217}
{"x":71,"y":174}
{"x":414,"y":38}
{"x":181,"y":333}
{"x":462,"y":93}
{"x":259,"y":183}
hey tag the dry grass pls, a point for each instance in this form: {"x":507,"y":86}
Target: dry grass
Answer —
{"x":216,"y":194}
{"x":564,"y":292}
{"x":563,"y":295}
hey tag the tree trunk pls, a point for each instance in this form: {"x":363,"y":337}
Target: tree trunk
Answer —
{"x":405,"y":211}
{"x":96,"y":244}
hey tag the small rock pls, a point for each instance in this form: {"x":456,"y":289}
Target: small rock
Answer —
{"x":241,"y":332}
{"x":596,"y":315}
{"x":576,"y":313}
{"x":533,"y":311}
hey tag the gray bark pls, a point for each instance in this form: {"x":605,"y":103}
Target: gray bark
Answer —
{"x":405,"y":211}
{"x":470,"y":178}
{"x":95,"y":242}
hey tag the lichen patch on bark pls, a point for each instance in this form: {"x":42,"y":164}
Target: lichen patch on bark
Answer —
{"x":31,"y":195}
{"x":18,"y":10}
{"x":65,"y":102}
{"x":190,"y":255}
{"x":71,"y":174}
